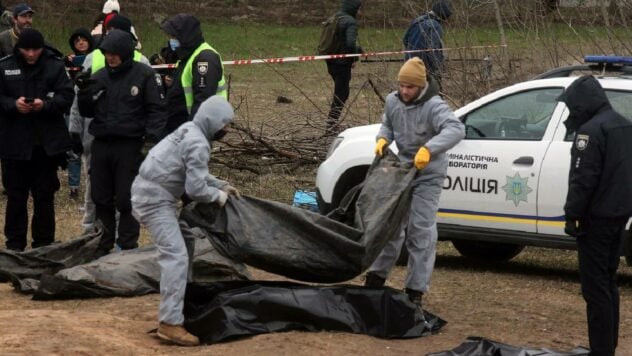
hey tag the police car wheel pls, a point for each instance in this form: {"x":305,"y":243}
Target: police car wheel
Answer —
{"x":487,"y":251}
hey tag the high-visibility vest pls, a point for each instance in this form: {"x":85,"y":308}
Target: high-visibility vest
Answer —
{"x":187,"y":77}
{"x":98,"y":60}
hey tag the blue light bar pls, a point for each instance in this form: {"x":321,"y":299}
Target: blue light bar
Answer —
{"x":608,"y":60}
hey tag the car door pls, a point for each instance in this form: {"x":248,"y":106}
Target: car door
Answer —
{"x":553,"y":184}
{"x":493,"y":173}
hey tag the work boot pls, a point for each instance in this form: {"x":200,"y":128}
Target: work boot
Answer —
{"x":177,"y":334}
{"x":373,"y":280}
{"x":415,"y":297}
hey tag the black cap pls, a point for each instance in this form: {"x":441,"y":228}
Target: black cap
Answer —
{"x":21,"y":9}
{"x":30,"y":38}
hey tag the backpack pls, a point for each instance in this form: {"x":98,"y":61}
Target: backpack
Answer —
{"x":328,"y":42}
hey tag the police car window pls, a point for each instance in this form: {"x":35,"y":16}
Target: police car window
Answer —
{"x":520,"y":116}
{"x":621,"y":102}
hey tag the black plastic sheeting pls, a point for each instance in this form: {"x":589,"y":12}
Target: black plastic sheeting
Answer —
{"x":225,"y":311}
{"x":307,"y":246}
{"x":65,"y":270}
{"x":477,"y":346}
{"x":31,"y":264}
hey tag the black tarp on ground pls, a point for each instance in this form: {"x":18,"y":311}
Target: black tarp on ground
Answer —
{"x":31,"y":264}
{"x":132,"y":273}
{"x":224,"y":311}
{"x":478,"y":346}
{"x":308,"y":246}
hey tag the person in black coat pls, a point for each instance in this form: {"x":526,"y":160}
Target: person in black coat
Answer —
{"x":599,"y":203}
{"x":35,"y":91}
{"x":127,"y":103}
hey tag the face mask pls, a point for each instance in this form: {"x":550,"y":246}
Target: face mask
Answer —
{"x":219,"y":135}
{"x":174,"y":44}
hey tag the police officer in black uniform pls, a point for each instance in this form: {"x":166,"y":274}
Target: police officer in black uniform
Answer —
{"x":199,"y":74}
{"x":35,"y":91}
{"x":599,"y":203}
{"x":127,"y":102}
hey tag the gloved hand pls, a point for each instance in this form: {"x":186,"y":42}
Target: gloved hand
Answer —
{"x":221,"y":200}
{"x":572,"y":227}
{"x":380,"y":145}
{"x":77,"y":145}
{"x":230,"y":190}
{"x":422,"y":158}
{"x":83,"y":80}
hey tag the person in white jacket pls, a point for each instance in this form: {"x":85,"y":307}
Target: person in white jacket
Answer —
{"x":177,"y":165}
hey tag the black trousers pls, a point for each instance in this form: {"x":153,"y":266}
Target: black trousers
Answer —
{"x":113,"y":166}
{"x":38,"y":177}
{"x":341,"y":74}
{"x":598,"y":248}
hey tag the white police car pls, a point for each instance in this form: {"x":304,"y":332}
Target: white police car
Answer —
{"x":507,"y":180}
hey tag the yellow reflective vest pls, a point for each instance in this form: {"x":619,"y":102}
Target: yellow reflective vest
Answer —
{"x":187,"y":77}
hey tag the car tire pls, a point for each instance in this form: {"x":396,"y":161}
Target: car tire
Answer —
{"x":487,"y":251}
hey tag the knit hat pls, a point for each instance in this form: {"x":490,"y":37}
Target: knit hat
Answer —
{"x":30,"y":38}
{"x":111,"y":6}
{"x":413,"y":72}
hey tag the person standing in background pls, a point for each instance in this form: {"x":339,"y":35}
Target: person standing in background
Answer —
{"x":22,"y":18}
{"x":199,"y":74}
{"x":425,"y":34}
{"x":35,"y":92}
{"x":340,"y":69}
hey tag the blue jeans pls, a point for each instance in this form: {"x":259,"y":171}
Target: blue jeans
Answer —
{"x":74,"y":173}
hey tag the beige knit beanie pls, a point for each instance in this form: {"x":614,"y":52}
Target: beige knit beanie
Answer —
{"x":413,"y":72}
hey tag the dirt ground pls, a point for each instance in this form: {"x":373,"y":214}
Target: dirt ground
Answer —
{"x":532,"y":301}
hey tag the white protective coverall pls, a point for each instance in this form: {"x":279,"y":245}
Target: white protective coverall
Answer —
{"x":428,"y":122}
{"x":176,"y":165}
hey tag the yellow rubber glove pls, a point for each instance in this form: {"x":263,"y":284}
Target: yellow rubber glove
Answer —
{"x":379,"y":147}
{"x":422,"y":158}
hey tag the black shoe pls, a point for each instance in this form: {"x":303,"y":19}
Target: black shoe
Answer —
{"x":372,"y":280}
{"x":415,"y":296}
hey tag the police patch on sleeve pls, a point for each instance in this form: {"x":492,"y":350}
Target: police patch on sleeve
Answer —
{"x":581,"y":142}
{"x":202,"y":68}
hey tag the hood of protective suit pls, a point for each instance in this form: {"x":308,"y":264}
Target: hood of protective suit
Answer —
{"x":186,"y":28}
{"x":584,"y":98}
{"x":351,"y":7}
{"x":214,"y":113}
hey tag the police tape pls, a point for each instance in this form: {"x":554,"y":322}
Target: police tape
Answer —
{"x":281,"y":60}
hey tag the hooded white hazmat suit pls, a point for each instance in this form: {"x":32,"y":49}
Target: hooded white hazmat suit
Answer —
{"x":176,"y":165}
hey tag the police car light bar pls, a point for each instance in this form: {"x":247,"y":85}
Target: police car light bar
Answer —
{"x":612,"y":60}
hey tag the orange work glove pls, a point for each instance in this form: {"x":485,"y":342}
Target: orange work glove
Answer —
{"x":422,"y":158}
{"x":379,"y":147}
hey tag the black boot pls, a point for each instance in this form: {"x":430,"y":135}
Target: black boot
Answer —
{"x":415,"y":296}
{"x":372,"y":280}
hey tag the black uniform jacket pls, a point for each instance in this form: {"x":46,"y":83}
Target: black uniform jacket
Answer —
{"x":47,"y":80}
{"x":125,"y":103}
{"x":600,"y":179}
{"x":206,"y":68}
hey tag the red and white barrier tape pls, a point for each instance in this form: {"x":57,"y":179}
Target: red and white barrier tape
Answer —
{"x":324,"y":57}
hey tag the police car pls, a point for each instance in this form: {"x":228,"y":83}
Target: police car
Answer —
{"x":507,"y":179}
